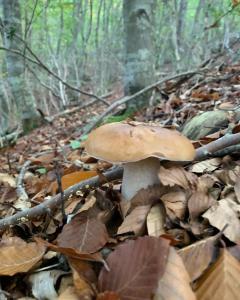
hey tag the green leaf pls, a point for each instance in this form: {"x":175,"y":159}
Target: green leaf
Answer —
{"x":75,"y":144}
{"x":41,"y":171}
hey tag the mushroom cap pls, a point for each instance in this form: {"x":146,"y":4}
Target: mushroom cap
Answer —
{"x":130,"y":142}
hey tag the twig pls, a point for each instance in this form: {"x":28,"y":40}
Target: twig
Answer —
{"x":129,"y":98}
{"x":220,"y":144}
{"x":53,"y":202}
{"x":20,"y":187}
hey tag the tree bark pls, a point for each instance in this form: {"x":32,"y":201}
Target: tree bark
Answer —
{"x":138,"y":16}
{"x":25,"y":107}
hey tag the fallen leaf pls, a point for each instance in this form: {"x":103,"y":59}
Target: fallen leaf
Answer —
{"x":6,"y":178}
{"x":198,"y":256}
{"x":178,"y":176}
{"x":135,"y":268}
{"x":73,"y":253}
{"x":208,"y":165}
{"x":135,"y":221}
{"x":237,"y":189}
{"x":175,"y":204}
{"x":68,"y":294}
{"x":198,"y":203}
{"x":43,"y":284}
{"x":175,"y":282}
{"x":85,"y":234}
{"x":156,"y":220}
{"x":17,"y":256}
{"x":108,"y":296}
{"x":225,"y":212}
{"x":73,"y":178}
{"x":82,"y":287}
{"x":221,"y":281}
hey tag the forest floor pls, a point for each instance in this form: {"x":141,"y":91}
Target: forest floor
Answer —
{"x":184,"y":233}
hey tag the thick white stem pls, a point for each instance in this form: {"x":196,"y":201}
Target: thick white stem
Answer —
{"x":138,"y":175}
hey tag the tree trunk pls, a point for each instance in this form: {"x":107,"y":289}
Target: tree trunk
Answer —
{"x":26,"y":112}
{"x":139,"y":70}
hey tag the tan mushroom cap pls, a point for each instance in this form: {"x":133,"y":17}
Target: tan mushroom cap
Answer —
{"x":127,"y":142}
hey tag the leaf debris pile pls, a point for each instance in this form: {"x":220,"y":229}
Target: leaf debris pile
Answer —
{"x":175,"y":240}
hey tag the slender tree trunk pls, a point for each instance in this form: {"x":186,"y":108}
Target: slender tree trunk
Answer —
{"x":26,"y":111}
{"x":139,"y":72}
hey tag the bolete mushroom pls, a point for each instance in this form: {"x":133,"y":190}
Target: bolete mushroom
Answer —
{"x":139,"y":147}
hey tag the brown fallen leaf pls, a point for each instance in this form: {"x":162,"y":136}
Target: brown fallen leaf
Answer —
{"x":108,"y":296}
{"x":135,"y":268}
{"x":208,"y":165}
{"x":178,"y":176}
{"x":198,"y":256}
{"x":198,"y":203}
{"x":225,"y":212}
{"x":221,"y":281}
{"x":73,"y":253}
{"x":175,"y":282}
{"x":82,"y":287}
{"x":237,"y":189}
{"x":73,"y":178}
{"x":85,"y":234}
{"x":17,"y":256}
{"x":68,"y":294}
{"x":156,"y":220}
{"x":175,"y":204}
{"x":135,"y":221}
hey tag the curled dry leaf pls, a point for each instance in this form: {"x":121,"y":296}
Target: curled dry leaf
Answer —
{"x":178,"y":176}
{"x":17,"y":256}
{"x":221,"y":281}
{"x":71,"y":252}
{"x":175,"y":282}
{"x":135,"y":221}
{"x":135,"y":268}
{"x":43,"y":284}
{"x":85,"y":234}
{"x":225,"y":212}
{"x":198,"y":256}
{"x":198,"y":203}
{"x":175,"y":204}
{"x":208,"y":165}
{"x":156,"y":220}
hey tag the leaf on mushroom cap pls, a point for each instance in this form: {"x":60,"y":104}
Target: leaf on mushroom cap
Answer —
{"x":124,"y":142}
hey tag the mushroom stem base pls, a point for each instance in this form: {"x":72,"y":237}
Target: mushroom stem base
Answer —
{"x":139,"y":175}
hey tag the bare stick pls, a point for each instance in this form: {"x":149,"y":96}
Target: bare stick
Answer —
{"x":129,"y":98}
{"x":53,"y":202}
{"x":20,"y":187}
{"x":222,"y":143}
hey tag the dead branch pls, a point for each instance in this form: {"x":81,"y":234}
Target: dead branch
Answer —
{"x":9,"y":138}
{"x":210,"y":149}
{"x":126,"y":99}
{"x":53,"y":202}
{"x":20,"y":186}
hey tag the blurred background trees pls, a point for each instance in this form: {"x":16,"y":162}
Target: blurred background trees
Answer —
{"x":48,"y":43}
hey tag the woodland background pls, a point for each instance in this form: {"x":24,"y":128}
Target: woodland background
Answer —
{"x":51,"y":49}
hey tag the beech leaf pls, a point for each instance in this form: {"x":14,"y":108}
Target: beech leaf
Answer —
{"x":135,"y":221}
{"x":221,"y":281}
{"x":198,"y":256}
{"x":85,"y":234}
{"x":175,"y":282}
{"x":156,"y":220}
{"x":17,"y":256}
{"x":135,"y":268}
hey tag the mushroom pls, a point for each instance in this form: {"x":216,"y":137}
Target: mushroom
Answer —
{"x":139,"y":147}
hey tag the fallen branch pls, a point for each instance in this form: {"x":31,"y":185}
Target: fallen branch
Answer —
{"x":210,"y":149}
{"x":21,"y":193}
{"x":10,"y":138}
{"x":53,"y":202}
{"x":134,"y":96}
